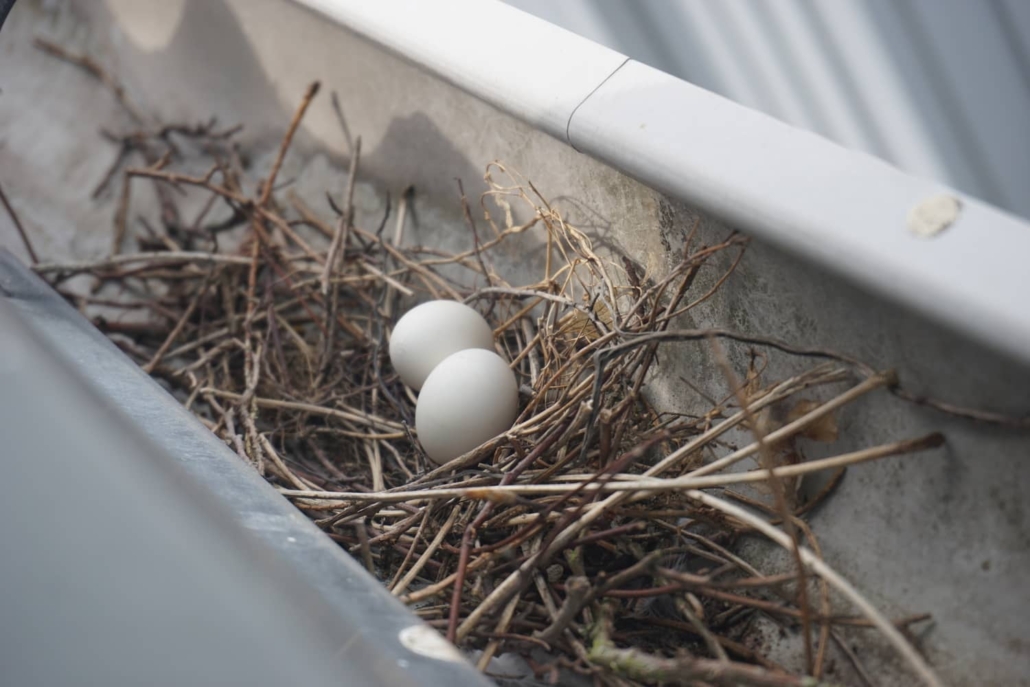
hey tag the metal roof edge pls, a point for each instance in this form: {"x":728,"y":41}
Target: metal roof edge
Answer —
{"x":914,"y":241}
{"x":918,"y":242}
{"x":522,"y":65}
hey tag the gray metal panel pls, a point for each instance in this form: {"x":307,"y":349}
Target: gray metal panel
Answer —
{"x":956,"y":90}
{"x":127,"y":528}
{"x":116,"y":571}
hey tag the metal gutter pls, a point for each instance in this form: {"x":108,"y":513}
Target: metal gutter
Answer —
{"x":846,"y":211}
{"x":533,"y":70}
{"x":141,"y":550}
{"x":959,"y":261}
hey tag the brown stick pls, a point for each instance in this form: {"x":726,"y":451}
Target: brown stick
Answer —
{"x":768,"y":461}
{"x":444,"y":530}
{"x":484,"y":513}
{"x":577,"y":589}
{"x":266,"y":190}
{"x":19,"y":227}
{"x":339,"y":243}
{"x":818,"y":566}
{"x":174,"y":334}
{"x":121,"y":215}
{"x":684,"y":670}
{"x":170,"y":257}
{"x":646,"y":486}
{"x":93,"y":68}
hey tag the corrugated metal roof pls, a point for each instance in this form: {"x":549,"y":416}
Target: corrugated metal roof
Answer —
{"x":940,"y":88}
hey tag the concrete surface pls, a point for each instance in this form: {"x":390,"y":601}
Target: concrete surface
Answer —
{"x":946,"y":533}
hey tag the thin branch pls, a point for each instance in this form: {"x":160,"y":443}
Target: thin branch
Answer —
{"x":577,"y":589}
{"x":768,"y":461}
{"x":684,"y":670}
{"x":17,"y":225}
{"x":93,"y":68}
{"x":177,"y":329}
{"x":897,"y":640}
{"x":354,"y":416}
{"x":269,"y":184}
{"x":343,"y":223}
{"x":167,"y":258}
{"x":635,"y":484}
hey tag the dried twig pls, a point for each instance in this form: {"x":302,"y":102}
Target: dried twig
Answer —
{"x":266,"y":188}
{"x":93,"y":68}
{"x":343,"y":224}
{"x":907,"y":651}
{"x":685,"y":670}
{"x":154,"y":259}
{"x":577,"y":589}
{"x":17,"y":225}
{"x":640,"y":487}
{"x":768,"y":461}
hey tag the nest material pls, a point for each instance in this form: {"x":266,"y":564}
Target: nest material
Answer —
{"x":599,"y":528}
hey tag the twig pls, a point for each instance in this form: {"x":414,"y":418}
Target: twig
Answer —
{"x":177,"y":329}
{"x":342,"y":120}
{"x":499,"y":628}
{"x":731,"y":646}
{"x":871,"y":384}
{"x":336,"y":254}
{"x":444,"y":530}
{"x":123,"y":151}
{"x":168,"y":258}
{"x":768,"y":461}
{"x":91,"y":67}
{"x":466,"y":211}
{"x":684,"y":670}
{"x":17,"y":225}
{"x":915,"y":660}
{"x":351,"y":416}
{"x":282,"y":469}
{"x":366,"y":550}
{"x":683,"y":606}
{"x":121,"y":215}
{"x":638,"y":485}
{"x":343,"y":223}
{"x":269,"y":184}
{"x":576,"y":589}
{"x":856,"y":663}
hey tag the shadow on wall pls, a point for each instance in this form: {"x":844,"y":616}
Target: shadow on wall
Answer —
{"x":209,"y":68}
{"x":410,"y":141}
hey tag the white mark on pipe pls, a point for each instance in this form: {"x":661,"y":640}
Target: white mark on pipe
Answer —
{"x":425,"y":641}
{"x":933,"y":215}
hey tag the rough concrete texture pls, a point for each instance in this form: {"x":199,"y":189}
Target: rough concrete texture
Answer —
{"x":946,"y":532}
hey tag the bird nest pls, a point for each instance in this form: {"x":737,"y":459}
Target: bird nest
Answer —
{"x":601,"y":534}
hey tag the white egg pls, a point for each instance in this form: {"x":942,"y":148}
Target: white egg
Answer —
{"x":470,"y":398}
{"x":430,"y":332}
